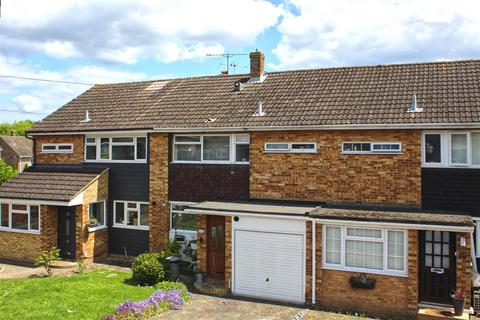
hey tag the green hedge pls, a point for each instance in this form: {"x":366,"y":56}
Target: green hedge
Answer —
{"x":149,"y":268}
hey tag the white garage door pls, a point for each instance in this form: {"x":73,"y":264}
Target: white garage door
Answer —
{"x":269,"y":265}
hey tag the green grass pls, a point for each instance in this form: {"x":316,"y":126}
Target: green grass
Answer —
{"x":80,"y":296}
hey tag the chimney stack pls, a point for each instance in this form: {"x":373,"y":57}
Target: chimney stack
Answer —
{"x":257,"y":66}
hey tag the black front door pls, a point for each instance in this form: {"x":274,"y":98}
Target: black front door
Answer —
{"x":437,"y":266}
{"x":66,"y":232}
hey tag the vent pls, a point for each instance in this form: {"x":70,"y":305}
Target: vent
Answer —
{"x":414,"y":107}
{"x":157,"y":85}
{"x":238,"y":86}
{"x":87,"y":117}
{"x":259,"y":112}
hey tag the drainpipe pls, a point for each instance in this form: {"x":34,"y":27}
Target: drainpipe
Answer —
{"x":473,"y":253}
{"x":313,"y":260}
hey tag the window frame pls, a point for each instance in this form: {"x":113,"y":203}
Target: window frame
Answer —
{"x":181,"y":203}
{"x":111,"y":144}
{"x":105,"y":222}
{"x":476,"y":221}
{"x":57,"y":147}
{"x":125,"y":215}
{"x":27,"y":212}
{"x":372,"y":143}
{"x":289,"y":148}
{"x":446,"y":150}
{"x":384,"y":239}
{"x":232,"y":148}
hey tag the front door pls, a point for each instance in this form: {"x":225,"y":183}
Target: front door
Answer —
{"x":66,"y":232}
{"x":437,"y":266}
{"x":216,"y":245}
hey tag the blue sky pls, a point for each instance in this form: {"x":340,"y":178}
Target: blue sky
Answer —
{"x":114,"y":41}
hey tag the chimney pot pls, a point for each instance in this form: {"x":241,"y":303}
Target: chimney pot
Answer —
{"x":257,"y":66}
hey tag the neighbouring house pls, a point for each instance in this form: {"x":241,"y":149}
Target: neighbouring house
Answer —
{"x":294,"y":184}
{"x":16,"y":151}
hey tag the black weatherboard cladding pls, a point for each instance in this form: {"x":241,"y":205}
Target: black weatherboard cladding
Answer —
{"x":127,"y":181}
{"x":452,"y":189}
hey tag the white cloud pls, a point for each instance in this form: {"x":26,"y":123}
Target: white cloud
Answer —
{"x":125,"y":31}
{"x":28,"y":102}
{"x":346,"y":32}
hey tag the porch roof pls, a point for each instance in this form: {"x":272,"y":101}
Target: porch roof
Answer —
{"x":50,"y":183}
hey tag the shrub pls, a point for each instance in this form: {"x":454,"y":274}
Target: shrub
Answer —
{"x":148,"y":269}
{"x":46,"y":260}
{"x":177,"y":286}
{"x":81,"y":266}
{"x":172,"y":248}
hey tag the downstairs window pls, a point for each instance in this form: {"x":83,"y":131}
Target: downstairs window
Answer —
{"x":19,"y":217}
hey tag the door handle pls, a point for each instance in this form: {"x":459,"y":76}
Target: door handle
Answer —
{"x":437,"y":270}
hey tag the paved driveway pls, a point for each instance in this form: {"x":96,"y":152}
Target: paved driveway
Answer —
{"x":203,"y":307}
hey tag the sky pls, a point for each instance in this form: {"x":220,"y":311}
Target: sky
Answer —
{"x":103,"y":41}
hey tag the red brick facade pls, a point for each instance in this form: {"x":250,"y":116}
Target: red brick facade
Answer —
{"x":76,"y":157}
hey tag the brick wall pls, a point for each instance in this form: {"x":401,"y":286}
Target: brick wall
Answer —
{"x":391,"y":296}
{"x":27,"y":247}
{"x":76,"y":157}
{"x":159,"y":207}
{"x":308,"y":260}
{"x":464,"y":266}
{"x":8,"y":155}
{"x":91,"y":244}
{"x":331,"y":176}
{"x":228,"y":252}
{"x":202,"y":242}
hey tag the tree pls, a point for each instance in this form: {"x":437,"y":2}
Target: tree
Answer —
{"x":20,"y":127}
{"x":6,"y":171}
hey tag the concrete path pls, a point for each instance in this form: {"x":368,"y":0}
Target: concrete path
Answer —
{"x":203,"y":307}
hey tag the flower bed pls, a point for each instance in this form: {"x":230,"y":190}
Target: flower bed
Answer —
{"x":157,"y":303}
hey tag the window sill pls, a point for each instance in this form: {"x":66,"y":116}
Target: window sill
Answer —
{"x":183,"y":231}
{"x":372,"y":153}
{"x":114,"y":161}
{"x":369,"y":271}
{"x":33,"y":232}
{"x":97,"y":228}
{"x":209,"y":162}
{"x":122,"y":226}
{"x":288,"y":151}
{"x":61,"y":152}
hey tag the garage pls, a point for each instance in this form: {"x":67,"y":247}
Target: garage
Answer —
{"x":269,"y":259}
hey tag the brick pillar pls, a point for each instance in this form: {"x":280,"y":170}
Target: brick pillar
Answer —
{"x":202,"y":242}
{"x":228,"y":251}
{"x":159,"y":207}
{"x":413,"y":263}
{"x":308,"y":254}
{"x":318,"y":265}
{"x":464,"y":266}
{"x":49,"y":227}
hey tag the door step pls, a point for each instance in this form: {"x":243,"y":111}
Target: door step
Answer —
{"x":438,"y":314}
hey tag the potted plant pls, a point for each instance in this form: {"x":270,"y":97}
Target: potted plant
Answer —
{"x":92,"y":223}
{"x":198,"y":274}
{"x":362,"y":281}
{"x":458,"y":301}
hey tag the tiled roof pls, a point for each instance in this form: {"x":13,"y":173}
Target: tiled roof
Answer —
{"x":21,"y":145}
{"x":448,"y":92}
{"x":49,"y":183}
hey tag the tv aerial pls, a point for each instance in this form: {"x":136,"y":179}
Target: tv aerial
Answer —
{"x":227,"y":56}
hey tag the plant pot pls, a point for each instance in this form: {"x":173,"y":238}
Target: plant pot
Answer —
{"x":362,"y":282}
{"x":199,"y":277}
{"x":458,"y":306}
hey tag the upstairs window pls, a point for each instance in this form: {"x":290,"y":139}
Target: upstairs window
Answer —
{"x":451,"y":149}
{"x":291,"y":147}
{"x":57,"y":148}
{"x":371,"y":147}
{"x":124,"y":148}
{"x":211,"y":148}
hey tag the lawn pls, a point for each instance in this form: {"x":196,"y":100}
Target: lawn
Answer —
{"x":80,"y":296}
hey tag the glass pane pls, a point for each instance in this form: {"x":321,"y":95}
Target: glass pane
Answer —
{"x":34,"y":217}
{"x":120,"y":212}
{"x":428,"y":261}
{"x":91,"y":140}
{"x":433,"y":153}
{"x":216,"y":148}
{"x":364,"y":233}
{"x":144,"y":214}
{"x":178,"y":207}
{"x":187,"y":139}
{"x":446,"y":249}
{"x":437,"y":247}
{"x":276,"y":146}
{"x":446,"y":262}
{"x":242,"y":138}
{"x":105,"y":148}
{"x":91,"y":152}
{"x":141,"y":148}
{"x":49,"y":147}
{"x":97,"y":216}
{"x":188,"y":152}
{"x":356,"y":147}
{"x":123,"y":152}
{"x":446,"y":236}
{"x":428,"y":235}
{"x":132,"y":205}
{"x":437,"y":236}
{"x":364,"y":254}
{"x":220,"y":237}
{"x":132,"y":218}
{"x":303,"y":146}
{"x":64,"y":147}
{"x":459,"y":148}
{"x":437,"y":262}
{"x":213,"y":237}
{"x":428,"y":247}
{"x":184,"y":221}
{"x":5,"y":215}
{"x":122,"y":140}
{"x":19,"y":207}
{"x":242,"y":153}
{"x":476,"y":148}
{"x":19,"y":221}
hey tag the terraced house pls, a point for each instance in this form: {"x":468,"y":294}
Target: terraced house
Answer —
{"x":295,"y":184}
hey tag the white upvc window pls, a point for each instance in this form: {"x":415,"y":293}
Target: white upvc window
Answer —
{"x":370,"y":250}
{"x":290,"y":147}
{"x":455,"y":149}
{"x":130,"y":214}
{"x":181,"y":221}
{"x":212,"y":148}
{"x":116,"y":149}
{"x":19,"y":218}
{"x":57,"y":147}
{"x":97,"y":214}
{"x":362,"y":147}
